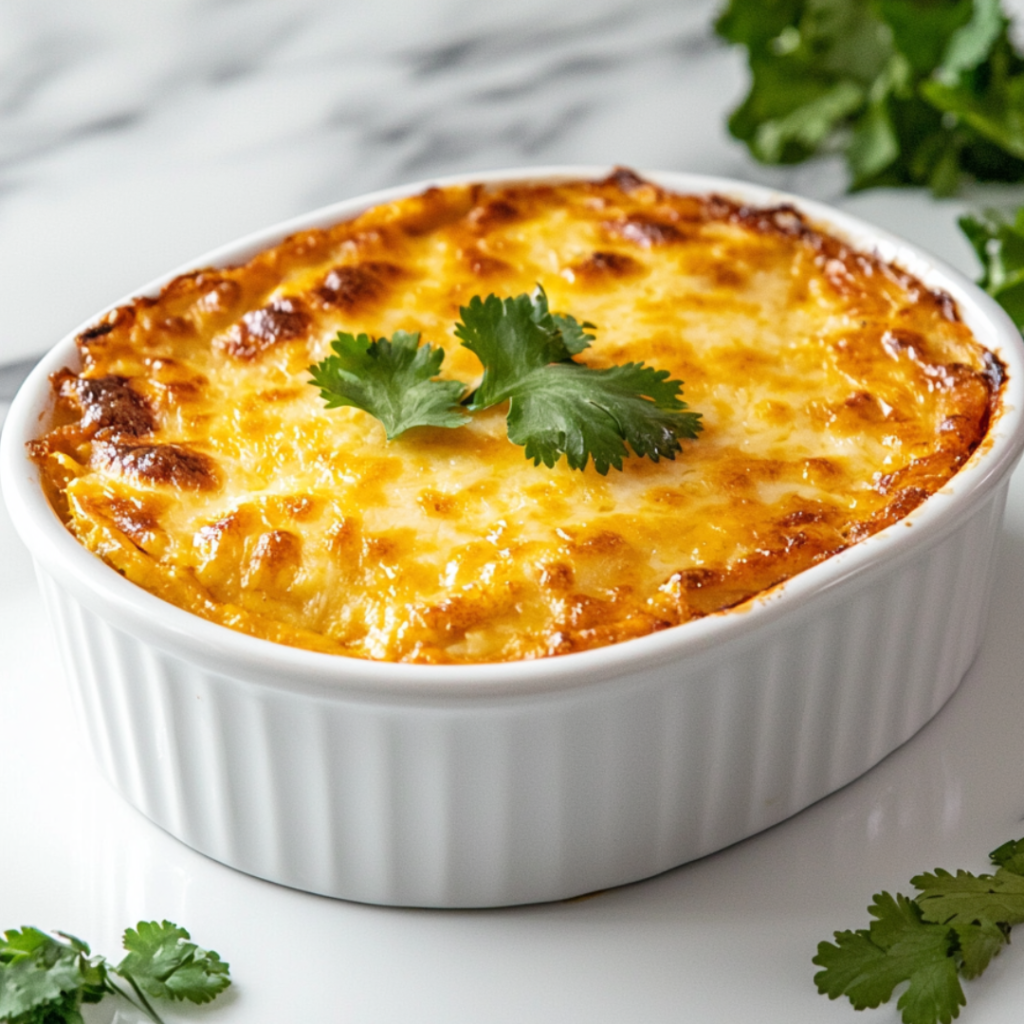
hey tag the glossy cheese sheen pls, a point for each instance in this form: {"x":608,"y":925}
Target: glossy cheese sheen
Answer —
{"x":190,"y":452}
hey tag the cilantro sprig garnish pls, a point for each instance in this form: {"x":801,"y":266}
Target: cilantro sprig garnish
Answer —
{"x":951,"y":929}
{"x":557,"y":406}
{"x":45,"y":979}
{"x":392,"y":380}
{"x":912,"y":92}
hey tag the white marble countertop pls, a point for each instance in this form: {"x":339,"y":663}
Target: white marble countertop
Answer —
{"x":133,"y":137}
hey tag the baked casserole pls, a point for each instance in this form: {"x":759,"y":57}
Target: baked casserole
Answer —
{"x":191,"y":453}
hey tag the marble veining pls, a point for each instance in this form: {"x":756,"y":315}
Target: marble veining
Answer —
{"x":134,"y":136}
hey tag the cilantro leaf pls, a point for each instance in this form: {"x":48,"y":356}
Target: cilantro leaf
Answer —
{"x":955,"y":926}
{"x":867,"y":965}
{"x":965,"y":899}
{"x":41,"y":978}
{"x":391,"y":380}
{"x":45,"y":981}
{"x":163,"y":962}
{"x":560,"y":407}
{"x":1009,"y":856}
{"x":572,"y":410}
{"x":910,"y":91}
{"x":999,"y":244}
{"x":512,"y":338}
{"x":978,"y":944}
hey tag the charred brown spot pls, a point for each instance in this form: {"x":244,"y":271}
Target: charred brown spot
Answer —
{"x":274,"y":564}
{"x":995,"y":371}
{"x":298,"y":506}
{"x":900,"y":340}
{"x":108,"y":405}
{"x":133,"y":518}
{"x":645,"y":231}
{"x":279,"y":394}
{"x":698,"y":579}
{"x":277,"y":549}
{"x":94,"y":340}
{"x":865,"y":406}
{"x":284,"y":319}
{"x":625,"y":180}
{"x":483,"y":265}
{"x":784,"y":220}
{"x":583,"y":612}
{"x":821,"y":470}
{"x":435,"y":208}
{"x":904,"y":503}
{"x":436,"y":503}
{"x":175,"y":326}
{"x":376,"y":548}
{"x":222,"y":296}
{"x":348,"y":287}
{"x":802,"y":517}
{"x":947,"y":305}
{"x":604,"y":542}
{"x":95,"y":332}
{"x":557,"y":576}
{"x":172,"y":465}
{"x":456,"y":615}
{"x":493,"y":214}
{"x":608,"y":264}
{"x":345,"y":538}
{"x":305,"y":244}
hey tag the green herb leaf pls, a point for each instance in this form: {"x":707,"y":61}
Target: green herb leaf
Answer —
{"x":390,"y":379}
{"x":999,"y":244}
{"x":867,"y":965}
{"x":910,"y":91}
{"x":954,"y":927}
{"x":964,"y":899}
{"x":41,"y":978}
{"x":560,"y":407}
{"x":163,"y":962}
{"x":1009,"y":856}
{"x":512,"y":340}
{"x":45,"y":981}
{"x":978,"y":944}
{"x":572,"y":410}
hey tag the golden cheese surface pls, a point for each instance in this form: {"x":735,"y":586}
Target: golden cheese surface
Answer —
{"x":191,"y":453}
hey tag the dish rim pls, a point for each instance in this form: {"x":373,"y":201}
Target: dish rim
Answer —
{"x":266,"y":663}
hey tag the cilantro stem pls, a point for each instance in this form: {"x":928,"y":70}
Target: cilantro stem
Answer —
{"x":146,"y":1006}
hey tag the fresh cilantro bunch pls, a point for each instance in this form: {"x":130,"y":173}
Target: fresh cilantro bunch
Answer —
{"x":999,"y":243}
{"x":556,"y":406}
{"x":45,"y":980}
{"x":912,"y":92}
{"x":951,"y":929}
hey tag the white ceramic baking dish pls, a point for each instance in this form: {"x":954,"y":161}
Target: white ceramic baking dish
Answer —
{"x":483,"y":785}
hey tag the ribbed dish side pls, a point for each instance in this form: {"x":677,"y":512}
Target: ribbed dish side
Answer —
{"x":532,"y":798}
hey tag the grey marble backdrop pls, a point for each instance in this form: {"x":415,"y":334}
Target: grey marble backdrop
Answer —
{"x":135,"y":134}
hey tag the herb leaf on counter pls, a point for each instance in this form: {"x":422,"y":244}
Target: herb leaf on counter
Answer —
{"x":953,"y":928}
{"x":560,"y":407}
{"x":44,"y":980}
{"x":390,"y":379}
{"x":164,"y":963}
{"x":999,"y":244}
{"x":912,"y":92}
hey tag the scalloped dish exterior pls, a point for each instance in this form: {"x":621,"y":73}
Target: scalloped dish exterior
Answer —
{"x":192,"y":454}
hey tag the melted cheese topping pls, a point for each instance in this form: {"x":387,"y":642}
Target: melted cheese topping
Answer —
{"x":192,"y":454}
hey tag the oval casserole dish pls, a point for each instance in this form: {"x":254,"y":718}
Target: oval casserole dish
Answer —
{"x":517,"y":782}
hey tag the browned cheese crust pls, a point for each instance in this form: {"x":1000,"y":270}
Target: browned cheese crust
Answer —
{"x":191,"y":453}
